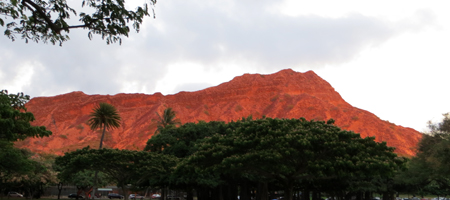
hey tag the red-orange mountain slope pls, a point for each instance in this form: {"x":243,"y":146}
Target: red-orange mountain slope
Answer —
{"x":286,"y":94}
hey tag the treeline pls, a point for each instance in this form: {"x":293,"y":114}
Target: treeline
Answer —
{"x":249,"y":158}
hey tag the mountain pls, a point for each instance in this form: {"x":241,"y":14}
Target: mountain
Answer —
{"x":286,"y":94}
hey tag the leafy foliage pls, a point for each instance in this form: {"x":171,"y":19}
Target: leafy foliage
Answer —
{"x":166,"y":120}
{"x":428,"y":171}
{"x":13,"y":161}
{"x":37,"y":172}
{"x":286,"y":153}
{"x":48,"y":20}
{"x":122,"y":166}
{"x":15,"y":120}
{"x":180,"y":142}
{"x":290,"y":150}
{"x":84,"y":180}
{"x":15,"y":125}
{"x":104,"y":116}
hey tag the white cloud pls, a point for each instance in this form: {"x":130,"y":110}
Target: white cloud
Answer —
{"x":385,"y":56}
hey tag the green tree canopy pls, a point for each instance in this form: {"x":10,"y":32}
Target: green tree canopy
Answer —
{"x":180,"y":142}
{"x":289,"y":150}
{"x":428,"y":171}
{"x":15,"y":120}
{"x":15,"y":125}
{"x":84,"y":180}
{"x":48,"y":20}
{"x":122,"y":166}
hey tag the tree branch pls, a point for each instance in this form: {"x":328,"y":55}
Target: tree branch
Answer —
{"x":41,"y":12}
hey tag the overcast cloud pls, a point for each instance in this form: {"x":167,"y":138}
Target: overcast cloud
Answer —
{"x":197,"y":39}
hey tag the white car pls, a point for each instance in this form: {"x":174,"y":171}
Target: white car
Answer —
{"x":135,"y":196}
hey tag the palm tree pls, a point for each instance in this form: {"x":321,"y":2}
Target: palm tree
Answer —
{"x":167,"y":119}
{"x":104,"y":116}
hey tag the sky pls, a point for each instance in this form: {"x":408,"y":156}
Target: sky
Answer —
{"x":390,"y":58}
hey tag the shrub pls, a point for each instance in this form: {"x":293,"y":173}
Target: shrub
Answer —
{"x":289,"y":107}
{"x":238,"y":108}
{"x":274,"y":98}
{"x":79,"y":127}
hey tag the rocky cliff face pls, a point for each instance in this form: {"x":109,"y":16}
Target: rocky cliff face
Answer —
{"x":286,"y":94}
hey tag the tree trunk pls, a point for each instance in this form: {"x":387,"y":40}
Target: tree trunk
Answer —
{"x":233,"y":192}
{"x":367,"y":196}
{"x":349,"y":195}
{"x":59,"y":189}
{"x":88,"y":191}
{"x":305,"y":194}
{"x":388,"y":196}
{"x":216,"y":193}
{"x":190,"y":195}
{"x":262,"y":192}
{"x":163,"y":193}
{"x":359,"y":195}
{"x":124,"y":190}
{"x":94,"y":191}
{"x":103,"y":135}
{"x":245,"y":191}
{"x":315,"y":195}
{"x":289,"y":191}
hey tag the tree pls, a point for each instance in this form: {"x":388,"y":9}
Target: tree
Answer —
{"x":166,"y":120}
{"x":428,"y":171}
{"x":15,"y":120}
{"x":104,"y":116}
{"x":42,"y":175}
{"x":286,"y":151}
{"x":48,"y":20}
{"x":123,"y":166}
{"x":180,"y":142}
{"x":84,"y":180}
{"x":15,"y":125}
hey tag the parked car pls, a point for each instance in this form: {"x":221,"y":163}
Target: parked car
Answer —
{"x":155,"y":196}
{"x":135,"y":196}
{"x":114,"y":196}
{"x":75,"y":196}
{"x":14,"y":194}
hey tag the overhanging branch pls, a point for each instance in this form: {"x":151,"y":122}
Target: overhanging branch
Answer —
{"x":41,"y":12}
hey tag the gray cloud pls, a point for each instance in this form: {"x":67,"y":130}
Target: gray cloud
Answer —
{"x":197,"y":32}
